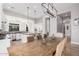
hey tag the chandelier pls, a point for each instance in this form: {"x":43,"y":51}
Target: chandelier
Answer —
{"x":50,"y":9}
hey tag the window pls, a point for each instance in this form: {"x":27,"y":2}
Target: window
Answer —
{"x":13,"y":27}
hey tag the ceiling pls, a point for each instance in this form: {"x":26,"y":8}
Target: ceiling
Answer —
{"x":33,"y":10}
{"x":62,"y":7}
{"x":65,"y":15}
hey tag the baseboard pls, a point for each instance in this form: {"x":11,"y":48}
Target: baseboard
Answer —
{"x":75,"y":43}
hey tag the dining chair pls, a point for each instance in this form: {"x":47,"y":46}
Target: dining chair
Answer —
{"x":30,"y":38}
{"x":60,"y":47}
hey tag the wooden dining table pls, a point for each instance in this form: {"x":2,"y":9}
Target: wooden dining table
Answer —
{"x":35,"y":48}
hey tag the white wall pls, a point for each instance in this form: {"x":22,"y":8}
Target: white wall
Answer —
{"x":0,"y":14}
{"x":21,"y":21}
{"x":53,"y":26}
{"x":38,"y":26}
{"x":74,"y":29}
{"x":31,"y":26}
